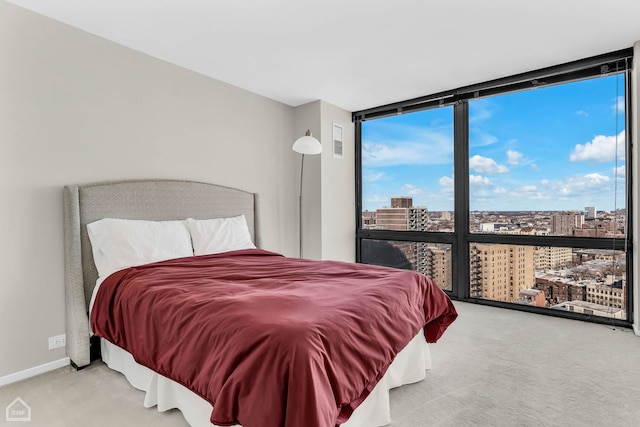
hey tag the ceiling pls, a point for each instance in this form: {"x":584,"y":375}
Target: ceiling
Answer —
{"x":355,"y":54}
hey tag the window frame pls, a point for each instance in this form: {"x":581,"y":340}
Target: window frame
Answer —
{"x":460,"y":240}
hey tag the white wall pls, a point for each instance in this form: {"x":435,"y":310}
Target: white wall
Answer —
{"x":308,"y":117}
{"x":328,"y":208}
{"x":75,"y":108}
{"x":338,"y":209}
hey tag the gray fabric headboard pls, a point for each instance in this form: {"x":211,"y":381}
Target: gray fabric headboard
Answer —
{"x":155,"y":199}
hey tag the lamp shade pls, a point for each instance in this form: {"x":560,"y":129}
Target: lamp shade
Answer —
{"x":307,"y":144}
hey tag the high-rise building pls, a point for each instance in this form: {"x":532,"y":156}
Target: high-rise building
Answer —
{"x":564,"y":223}
{"x":401,"y":202}
{"x":397,"y":218}
{"x":500,"y":272}
{"x":435,"y":261}
{"x":425,"y":258}
{"x":368,"y":219}
{"x":392,"y":218}
{"x":418,"y":218}
{"x":607,"y":295}
{"x":552,"y":257}
{"x":590,"y":212}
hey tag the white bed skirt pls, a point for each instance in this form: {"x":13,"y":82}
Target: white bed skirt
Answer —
{"x":408,"y":367}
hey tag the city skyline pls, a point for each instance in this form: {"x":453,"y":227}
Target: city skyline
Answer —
{"x":589,"y":281}
{"x":401,"y":214}
{"x":557,"y":148}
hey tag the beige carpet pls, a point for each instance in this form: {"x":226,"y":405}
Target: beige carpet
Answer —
{"x":493,"y":367}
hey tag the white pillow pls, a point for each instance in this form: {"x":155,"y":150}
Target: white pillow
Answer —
{"x":121,"y":243}
{"x":212,"y":236}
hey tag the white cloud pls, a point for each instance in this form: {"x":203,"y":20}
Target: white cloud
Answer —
{"x":620,"y":171}
{"x":446,"y":181}
{"x":572,"y":192}
{"x":582,"y":113}
{"x":374,"y":176}
{"x":411,"y":190}
{"x":480,"y":111}
{"x":577,"y":186}
{"x":482,"y":139}
{"x":479,"y":180}
{"x":377,"y":200}
{"x":600,"y":149}
{"x":415,"y":146}
{"x":535,"y":167}
{"x":514,"y":157}
{"x":618,"y":105}
{"x":591,"y":179}
{"x":500,"y":190}
{"x":486,"y":165}
{"x":529,"y":192}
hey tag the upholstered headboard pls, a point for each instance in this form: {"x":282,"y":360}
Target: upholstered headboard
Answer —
{"x":155,"y":199}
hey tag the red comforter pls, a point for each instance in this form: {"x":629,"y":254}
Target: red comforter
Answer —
{"x":269,"y":340}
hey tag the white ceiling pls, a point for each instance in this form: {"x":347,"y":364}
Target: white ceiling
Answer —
{"x":355,"y":54}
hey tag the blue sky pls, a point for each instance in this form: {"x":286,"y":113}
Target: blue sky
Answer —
{"x":551,"y":148}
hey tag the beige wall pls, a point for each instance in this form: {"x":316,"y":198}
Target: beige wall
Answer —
{"x":75,"y":108}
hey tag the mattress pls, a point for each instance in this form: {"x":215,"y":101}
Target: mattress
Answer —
{"x":409,"y":366}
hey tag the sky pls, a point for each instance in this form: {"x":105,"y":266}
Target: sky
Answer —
{"x":560,"y":147}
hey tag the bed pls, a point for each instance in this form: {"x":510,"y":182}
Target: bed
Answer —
{"x":172,"y":201}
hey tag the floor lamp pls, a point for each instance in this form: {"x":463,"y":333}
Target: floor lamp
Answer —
{"x":306,"y":144}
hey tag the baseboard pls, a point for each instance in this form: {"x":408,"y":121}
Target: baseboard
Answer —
{"x":32,"y":372}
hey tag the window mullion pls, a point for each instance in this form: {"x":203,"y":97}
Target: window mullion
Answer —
{"x":460,"y":274}
{"x":358,"y":189}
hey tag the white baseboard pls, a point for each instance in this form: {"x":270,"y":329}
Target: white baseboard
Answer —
{"x":32,"y":372}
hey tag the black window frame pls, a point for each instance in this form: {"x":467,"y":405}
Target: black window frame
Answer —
{"x":460,"y":240}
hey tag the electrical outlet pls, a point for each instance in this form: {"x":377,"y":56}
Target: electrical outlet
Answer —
{"x":57,"y":341}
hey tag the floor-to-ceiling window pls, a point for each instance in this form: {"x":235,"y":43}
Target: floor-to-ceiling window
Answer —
{"x":513,"y":192}
{"x":407,"y":164}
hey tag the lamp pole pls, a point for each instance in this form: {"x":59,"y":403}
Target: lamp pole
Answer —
{"x":306,"y":144}
{"x":300,"y":208}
